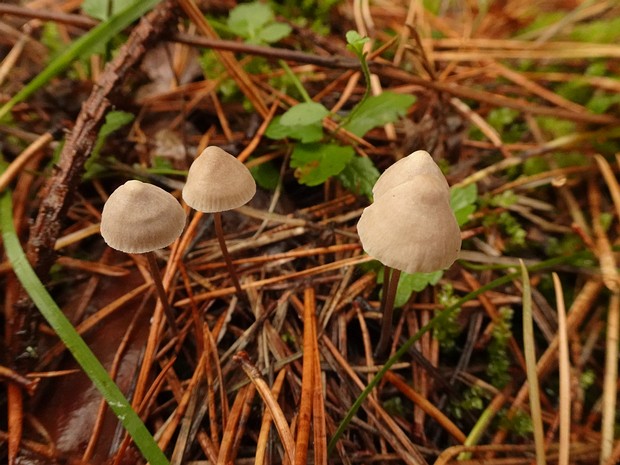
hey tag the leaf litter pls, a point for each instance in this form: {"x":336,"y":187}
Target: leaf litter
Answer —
{"x":517,"y":107}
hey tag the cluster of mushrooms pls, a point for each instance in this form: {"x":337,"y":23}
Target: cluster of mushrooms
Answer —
{"x":141,"y":218}
{"x":409,"y":227}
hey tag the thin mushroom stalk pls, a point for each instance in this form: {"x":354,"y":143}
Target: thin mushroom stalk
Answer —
{"x":390,"y":286}
{"x":219,"y":232}
{"x":161,"y":292}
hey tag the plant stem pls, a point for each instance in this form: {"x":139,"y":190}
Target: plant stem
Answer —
{"x":219,"y":232}
{"x":161,"y":292}
{"x":391,"y":277}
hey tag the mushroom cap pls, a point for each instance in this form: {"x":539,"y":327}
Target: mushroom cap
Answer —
{"x":405,"y":169}
{"x":140,"y":217}
{"x":217,"y":182}
{"x":411,"y":227}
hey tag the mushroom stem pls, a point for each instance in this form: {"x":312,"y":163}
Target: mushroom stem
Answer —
{"x":390,"y":284}
{"x":219,"y":231}
{"x":161,"y":292}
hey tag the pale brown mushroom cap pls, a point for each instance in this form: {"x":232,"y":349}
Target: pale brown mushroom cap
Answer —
{"x":140,"y":217}
{"x":405,"y":169}
{"x":412,"y":227}
{"x":217,"y":182}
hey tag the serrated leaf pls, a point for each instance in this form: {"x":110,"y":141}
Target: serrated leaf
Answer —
{"x":274,"y":32}
{"x":306,"y":134}
{"x":378,"y":110}
{"x":304,"y":114}
{"x":463,"y":202}
{"x":408,"y":283}
{"x":416,"y":282}
{"x":247,"y":19}
{"x":315,"y":163}
{"x":359,"y":176}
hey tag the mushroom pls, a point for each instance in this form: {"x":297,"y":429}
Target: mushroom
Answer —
{"x":217,"y":182}
{"x":419,"y":162}
{"x":410,"y":228}
{"x":140,"y":218}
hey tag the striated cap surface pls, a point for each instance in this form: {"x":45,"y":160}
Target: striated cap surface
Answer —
{"x":405,"y":169}
{"x":140,"y":217}
{"x":217,"y":182}
{"x":411,"y":227}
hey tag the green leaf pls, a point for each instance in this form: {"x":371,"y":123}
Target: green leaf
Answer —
{"x":103,"y":9}
{"x":304,"y":114}
{"x":408,"y":283}
{"x":356,"y":42}
{"x":274,"y":32}
{"x":306,"y":134}
{"x":266,"y":175}
{"x":315,"y":163}
{"x":416,"y":282}
{"x":359,"y":176}
{"x":378,"y":110}
{"x":247,"y":19}
{"x":463,"y":202}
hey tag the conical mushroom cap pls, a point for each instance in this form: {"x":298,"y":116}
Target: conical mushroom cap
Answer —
{"x":405,"y":169}
{"x":140,"y":217}
{"x":217,"y":182}
{"x":411,"y":227}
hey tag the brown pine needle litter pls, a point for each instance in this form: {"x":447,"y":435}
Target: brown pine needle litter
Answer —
{"x":517,"y":102}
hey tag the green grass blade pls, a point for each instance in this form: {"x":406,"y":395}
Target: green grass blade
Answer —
{"x":529,"y":350}
{"x":85,"y":45}
{"x":76,"y":345}
{"x":437,"y":320}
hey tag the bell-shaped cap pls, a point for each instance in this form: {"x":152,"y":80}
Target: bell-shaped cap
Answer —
{"x":405,"y":169}
{"x":411,"y":227}
{"x":140,"y":217}
{"x":217,"y":182}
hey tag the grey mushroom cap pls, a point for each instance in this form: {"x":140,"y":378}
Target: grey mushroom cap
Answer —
{"x":217,"y":181}
{"x":412,"y":227}
{"x":405,"y":169}
{"x":140,"y":217}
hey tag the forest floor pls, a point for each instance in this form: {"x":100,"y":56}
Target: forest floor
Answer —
{"x":517,"y":102}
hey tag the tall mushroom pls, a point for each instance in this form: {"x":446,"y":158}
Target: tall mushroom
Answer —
{"x":217,"y":182}
{"x":410,"y":227}
{"x":141,"y":218}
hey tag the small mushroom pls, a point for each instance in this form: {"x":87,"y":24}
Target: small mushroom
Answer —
{"x":410,"y":228}
{"x":217,"y":182}
{"x":419,"y":162}
{"x":140,"y":218}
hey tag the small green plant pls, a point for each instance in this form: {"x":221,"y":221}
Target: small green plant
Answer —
{"x":255,"y":22}
{"x":315,"y":155}
{"x":499,"y":360}
{"x":447,"y":332}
